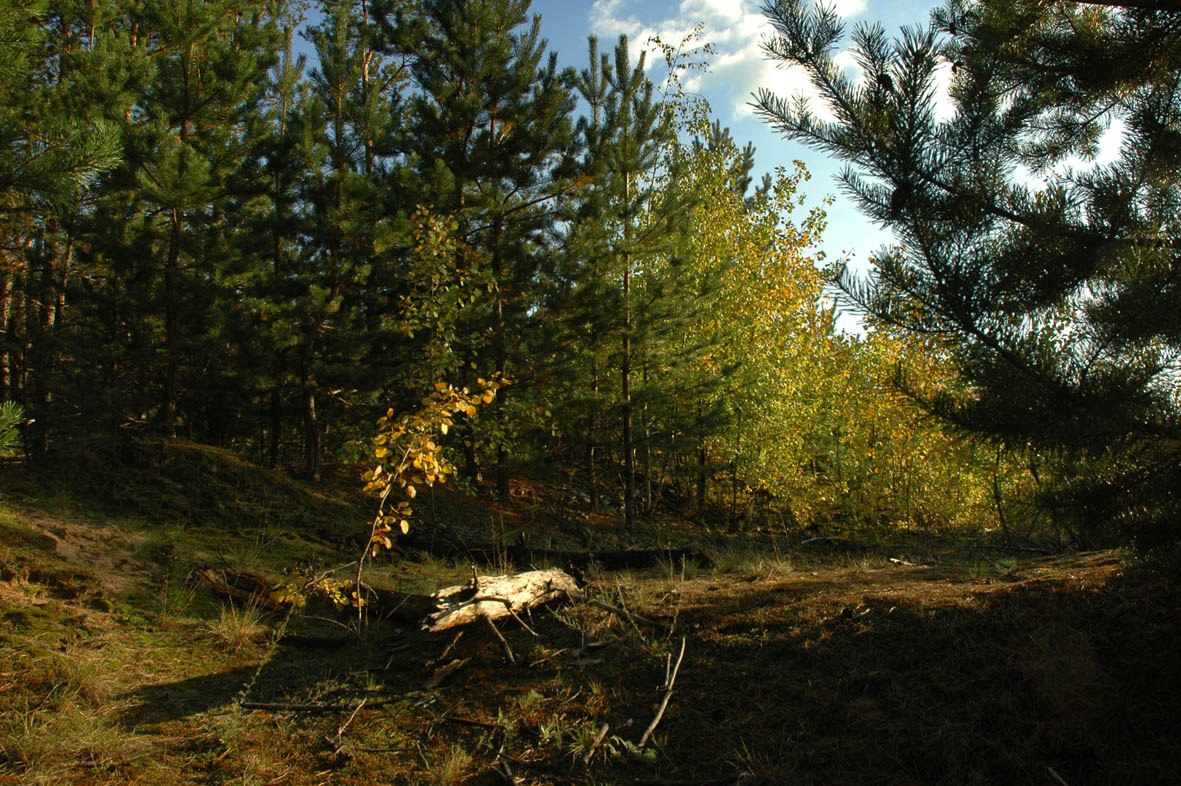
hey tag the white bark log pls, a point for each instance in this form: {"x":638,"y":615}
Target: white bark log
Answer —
{"x":495,"y":597}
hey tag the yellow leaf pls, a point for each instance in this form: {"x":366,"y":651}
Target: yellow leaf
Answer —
{"x":443,"y":427}
{"x":411,"y":492}
{"x":404,"y":525}
{"x":382,"y":452}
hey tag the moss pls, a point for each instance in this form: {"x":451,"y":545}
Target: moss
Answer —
{"x":14,"y":534}
{"x":191,"y":485}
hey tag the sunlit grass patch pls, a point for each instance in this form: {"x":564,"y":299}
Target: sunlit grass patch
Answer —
{"x":451,"y":768}
{"x":239,"y":626}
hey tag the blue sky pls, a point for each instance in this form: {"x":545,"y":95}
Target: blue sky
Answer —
{"x":738,"y":67}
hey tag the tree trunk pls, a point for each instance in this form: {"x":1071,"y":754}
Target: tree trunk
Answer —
{"x":496,"y":597}
{"x":501,"y":361}
{"x":702,"y":479}
{"x":998,"y":499}
{"x":592,"y":482}
{"x":276,"y":414}
{"x":311,"y":435}
{"x":311,"y":424}
{"x":625,"y":369}
{"x":171,"y":330}
{"x":471,"y":458}
{"x":37,"y":310}
{"x":6,"y":294}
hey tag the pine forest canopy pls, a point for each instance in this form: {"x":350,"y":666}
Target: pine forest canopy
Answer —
{"x":1052,"y":281}
{"x":207,"y":235}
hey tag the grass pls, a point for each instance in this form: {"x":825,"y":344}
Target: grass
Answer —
{"x":801,"y":666}
{"x":450,"y":770}
{"x":239,"y":627}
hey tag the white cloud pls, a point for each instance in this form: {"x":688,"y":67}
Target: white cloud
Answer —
{"x":945,"y":108}
{"x":607,"y":23}
{"x":847,"y":8}
{"x":735,"y":29}
{"x":1112,"y":142}
{"x":715,"y":13}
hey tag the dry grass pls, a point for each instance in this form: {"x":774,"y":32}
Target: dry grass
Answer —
{"x":239,"y":626}
{"x":799,"y":668}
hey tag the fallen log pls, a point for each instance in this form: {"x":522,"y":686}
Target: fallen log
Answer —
{"x":522,"y":556}
{"x":496,"y":597}
{"x":236,"y":585}
{"x":485,"y":597}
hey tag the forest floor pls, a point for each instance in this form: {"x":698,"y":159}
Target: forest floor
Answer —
{"x":901,"y":663}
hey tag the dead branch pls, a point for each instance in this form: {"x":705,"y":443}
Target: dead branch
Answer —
{"x":522,"y":556}
{"x":502,"y":769}
{"x":312,"y":709}
{"x":446,"y":651}
{"x":443,"y":672}
{"x":1057,"y":778}
{"x":337,"y":740}
{"x":470,"y":722}
{"x":623,"y":613}
{"x":594,"y":746}
{"x":498,"y":596}
{"x":508,"y":651}
{"x":670,"y":680}
{"x":235,"y":584}
{"x":725,"y":780}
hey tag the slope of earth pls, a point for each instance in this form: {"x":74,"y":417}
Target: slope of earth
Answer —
{"x":114,"y":668}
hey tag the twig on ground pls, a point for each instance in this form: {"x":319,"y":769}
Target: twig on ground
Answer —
{"x":445,"y":671}
{"x":502,"y":769}
{"x":386,"y":750}
{"x":470,"y":722}
{"x":446,"y":651}
{"x":509,"y":606}
{"x":508,"y":651}
{"x":547,"y":658}
{"x":262,"y":706}
{"x":337,"y":741}
{"x":623,"y":613}
{"x":594,"y":746}
{"x":1057,"y":778}
{"x":725,"y":780}
{"x":669,"y":681}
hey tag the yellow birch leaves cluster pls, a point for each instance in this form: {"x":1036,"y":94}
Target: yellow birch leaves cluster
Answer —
{"x":408,"y":454}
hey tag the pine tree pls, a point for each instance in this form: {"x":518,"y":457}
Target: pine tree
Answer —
{"x":53,"y":147}
{"x":271,"y":236}
{"x":1051,"y":279}
{"x":581,"y":295}
{"x":355,"y":123}
{"x":48,"y":154}
{"x":203,"y":66}
{"x":642,"y":199}
{"x":493,"y":121}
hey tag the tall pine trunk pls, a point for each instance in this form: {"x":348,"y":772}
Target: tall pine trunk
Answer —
{"x":625,"y":368}
{"x":312,"y":440}
{"x":168,"y":406}
{"x":501,"y":362}
{"x":276,"y":415}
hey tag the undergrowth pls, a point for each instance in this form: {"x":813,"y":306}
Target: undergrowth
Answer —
{"x":824,"y":663}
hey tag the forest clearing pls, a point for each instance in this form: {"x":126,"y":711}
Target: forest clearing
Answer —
{"x":918,"y":660}
{"x":385,"y":401}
